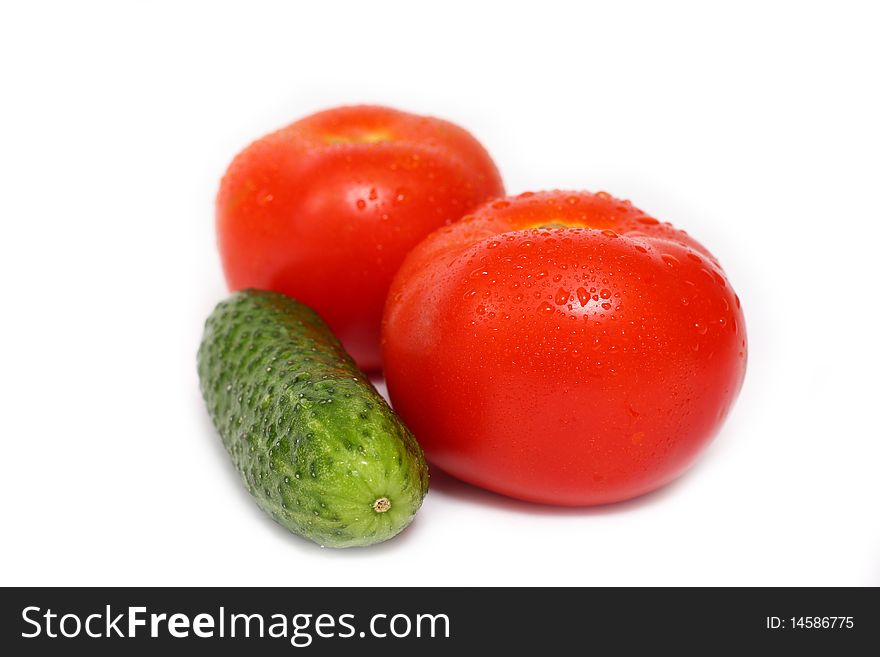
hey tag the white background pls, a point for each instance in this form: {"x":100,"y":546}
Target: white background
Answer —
{"x":753,"y":127}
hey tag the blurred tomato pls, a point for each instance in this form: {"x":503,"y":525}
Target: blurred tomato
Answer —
{"x":325,"y":209}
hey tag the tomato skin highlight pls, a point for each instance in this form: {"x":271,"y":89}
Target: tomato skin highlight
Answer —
{"x":325,"y":209}
{"x":563,"y":348}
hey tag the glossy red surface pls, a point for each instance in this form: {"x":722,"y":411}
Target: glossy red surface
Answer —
{"x":563,"y":348}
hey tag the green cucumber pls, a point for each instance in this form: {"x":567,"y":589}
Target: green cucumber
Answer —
{"x":318,"y":448}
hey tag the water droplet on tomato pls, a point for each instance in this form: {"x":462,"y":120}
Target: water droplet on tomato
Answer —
{"x":670,"y":260}
{"x":361,"y":204}
{"x":561,"y":296}
{"x":605,"y":293}
{"x":648,"y":221}
{"x":701,"y":328}
{"x":545,"y":309}
{"x":583,"y":296}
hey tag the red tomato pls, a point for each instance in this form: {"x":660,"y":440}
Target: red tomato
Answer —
{"x":563,"y":348}
{"x":325,"y":209}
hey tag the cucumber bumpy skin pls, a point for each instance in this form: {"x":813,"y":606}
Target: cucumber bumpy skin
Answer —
{"x":318,"y":448}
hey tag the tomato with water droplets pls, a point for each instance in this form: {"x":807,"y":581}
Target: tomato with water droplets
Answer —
{"x":325,"y":209}
{"x":603,"y":382}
